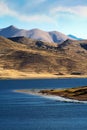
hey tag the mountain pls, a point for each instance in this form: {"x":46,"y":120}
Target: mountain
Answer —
{"x":19,"y":59}
{"x":58,"y":37}
{"x":12,"y":31}
{"x":74,"y":37}
{"x":38,"y":34}
{"x":35,"y":34}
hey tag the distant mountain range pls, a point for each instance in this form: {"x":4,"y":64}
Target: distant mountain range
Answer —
{"x":74,"y":37}
{"x":36,"y":34}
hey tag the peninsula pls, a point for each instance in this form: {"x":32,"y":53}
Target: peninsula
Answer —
{"x":77,"y":94}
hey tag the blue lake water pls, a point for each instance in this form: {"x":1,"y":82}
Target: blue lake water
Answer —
{"x":28,"y":112}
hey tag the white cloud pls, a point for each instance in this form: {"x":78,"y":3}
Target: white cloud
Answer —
{"x":80,"y":10}
{"x":6,"y":11}
{"x":77,"y":10}
{"x":37,"y":18}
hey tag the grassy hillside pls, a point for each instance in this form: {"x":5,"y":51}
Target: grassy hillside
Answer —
{"x":29,"y":56}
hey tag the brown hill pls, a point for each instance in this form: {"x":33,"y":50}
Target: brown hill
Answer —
{"x":28,"y":56}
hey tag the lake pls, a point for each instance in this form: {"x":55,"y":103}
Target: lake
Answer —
{"x":20,"y":111}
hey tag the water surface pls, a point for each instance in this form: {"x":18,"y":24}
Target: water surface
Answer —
{"x":29,"y":112}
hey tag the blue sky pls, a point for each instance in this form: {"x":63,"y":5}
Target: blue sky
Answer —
{"x":66,"y":16}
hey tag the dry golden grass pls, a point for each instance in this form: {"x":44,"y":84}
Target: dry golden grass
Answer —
{"x":15,"y":74}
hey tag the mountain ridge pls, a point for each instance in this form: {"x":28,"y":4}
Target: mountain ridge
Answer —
{"x":74,"y":37}
{"x":36,"y":34}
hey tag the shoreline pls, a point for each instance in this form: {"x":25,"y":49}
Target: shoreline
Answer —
{"x":41,"y":76}
{"x":48,"y":96}
{"x":16,"y":74}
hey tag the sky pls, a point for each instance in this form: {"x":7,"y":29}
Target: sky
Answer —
{"x":66,"y":16}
